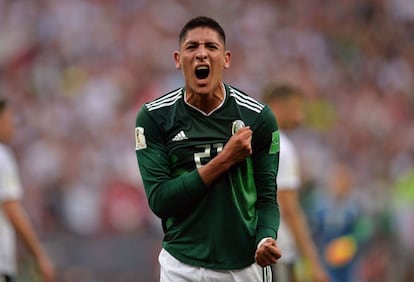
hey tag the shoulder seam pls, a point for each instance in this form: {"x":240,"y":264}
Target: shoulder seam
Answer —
{"x":246,"y":101}
{"x":164,"y":101}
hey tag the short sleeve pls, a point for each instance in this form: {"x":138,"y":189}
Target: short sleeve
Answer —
{"x":10,"y":187}
{"x":288,"y":177}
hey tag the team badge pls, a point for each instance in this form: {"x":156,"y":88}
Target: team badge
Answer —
{"x":140,"y":142}
{"x":236,"y":126}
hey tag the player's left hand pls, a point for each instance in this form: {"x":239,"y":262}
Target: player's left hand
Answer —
{"x":267,"y":253}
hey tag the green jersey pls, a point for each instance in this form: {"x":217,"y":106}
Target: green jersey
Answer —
{"x":219,"y":226}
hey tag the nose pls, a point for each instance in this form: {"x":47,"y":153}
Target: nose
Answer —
{"x":202,"y":53}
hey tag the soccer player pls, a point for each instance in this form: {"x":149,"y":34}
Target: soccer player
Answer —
{"x":13,"y":219}
{"x":208,"y":156}
{"x":286,"y":103}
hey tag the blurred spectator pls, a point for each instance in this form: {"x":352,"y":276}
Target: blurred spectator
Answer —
{"x":14,"y":222}
{"x":294,"y":239}
{"x":339,"y":224}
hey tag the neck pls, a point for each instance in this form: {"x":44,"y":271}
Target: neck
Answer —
{"x":205,"y":102}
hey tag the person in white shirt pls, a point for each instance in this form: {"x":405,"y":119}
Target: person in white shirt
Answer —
{"x":13,"y":219}
{"x":286,"y":103}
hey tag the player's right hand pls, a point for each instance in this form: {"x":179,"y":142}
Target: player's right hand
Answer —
{"x":239,"y":146}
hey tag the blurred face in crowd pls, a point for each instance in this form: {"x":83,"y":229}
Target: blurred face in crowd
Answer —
{"x":341,"y":180}
{"x":289,"y":112}
{"x":202,"y":58}
{"x":6,"y":125}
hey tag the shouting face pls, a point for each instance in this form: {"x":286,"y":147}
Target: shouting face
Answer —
{"x":202,"y":58}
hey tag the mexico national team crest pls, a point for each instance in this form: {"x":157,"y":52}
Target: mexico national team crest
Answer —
{"x":236,"y":126}
{"x":140,"y":142}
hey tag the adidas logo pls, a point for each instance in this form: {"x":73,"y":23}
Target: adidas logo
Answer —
{"x":180,"y":136}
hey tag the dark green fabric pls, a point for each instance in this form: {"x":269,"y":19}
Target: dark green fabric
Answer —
{"x":215,"y":227}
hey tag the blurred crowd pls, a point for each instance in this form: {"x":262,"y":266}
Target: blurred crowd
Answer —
{"x":77,"y":71}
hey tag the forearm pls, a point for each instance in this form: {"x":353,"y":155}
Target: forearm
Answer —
{"x":298,"y":225}
{"x":173,"y":197}
{"x":19,"y":220}
{"x":306,"y":246}
{"x":214,"y":168}
{"x":267,"y":204}
{"x":268,"y":221}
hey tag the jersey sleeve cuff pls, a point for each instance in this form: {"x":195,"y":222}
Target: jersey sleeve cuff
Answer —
{"x":262,"y":241}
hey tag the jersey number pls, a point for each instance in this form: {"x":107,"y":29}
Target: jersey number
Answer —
{"x":210,"y":150}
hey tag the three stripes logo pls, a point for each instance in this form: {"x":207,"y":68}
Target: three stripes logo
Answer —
{"x":180,"y":136}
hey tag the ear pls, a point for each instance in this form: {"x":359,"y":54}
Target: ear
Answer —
{"x":177,"y":60}
{"x":227,"y":59}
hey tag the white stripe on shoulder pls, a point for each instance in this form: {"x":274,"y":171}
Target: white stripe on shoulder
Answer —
{"x":166,"y":97}
{"x":164,"y":101}
{"x":246,"y":101}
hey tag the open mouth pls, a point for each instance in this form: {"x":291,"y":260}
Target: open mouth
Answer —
{"x":202,"y":72}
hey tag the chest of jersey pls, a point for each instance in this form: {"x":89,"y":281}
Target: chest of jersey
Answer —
{"x":194,"y":141}
{"x":191,"y":139}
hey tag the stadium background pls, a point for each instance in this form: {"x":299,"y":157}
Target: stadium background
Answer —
{"x":78,"y":71}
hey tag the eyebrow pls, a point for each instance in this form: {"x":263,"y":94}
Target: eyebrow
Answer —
{"x":195,"y":42}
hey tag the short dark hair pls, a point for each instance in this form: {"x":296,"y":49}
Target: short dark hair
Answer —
{"x":280,"y":92}
{"x":202,"y":22}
